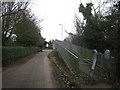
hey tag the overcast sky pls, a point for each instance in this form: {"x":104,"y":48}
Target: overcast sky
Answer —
{"x":55,"y":12}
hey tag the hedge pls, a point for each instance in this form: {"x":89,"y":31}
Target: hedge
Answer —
{"x":10,"y":54}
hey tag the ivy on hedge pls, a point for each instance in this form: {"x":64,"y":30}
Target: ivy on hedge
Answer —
{"x":10,"y":54}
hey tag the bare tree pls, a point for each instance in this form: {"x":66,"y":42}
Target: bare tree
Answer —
{"x":12,"y":13}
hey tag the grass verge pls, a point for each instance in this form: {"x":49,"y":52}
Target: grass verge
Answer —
{"x":68,"y":79}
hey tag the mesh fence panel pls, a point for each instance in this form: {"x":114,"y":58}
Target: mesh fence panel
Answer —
{"x":88,"y":55}
{"x":75,"y":64}
{"x":79,"y":60}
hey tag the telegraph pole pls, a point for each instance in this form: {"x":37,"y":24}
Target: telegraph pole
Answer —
{"x":117,"y":43}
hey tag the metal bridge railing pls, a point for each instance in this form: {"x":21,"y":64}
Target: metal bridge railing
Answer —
{"x":74,"y":63}
{"x":87,"y":54}
{"x":79,"y":60}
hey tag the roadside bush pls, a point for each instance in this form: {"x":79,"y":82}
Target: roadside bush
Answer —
{"x":10,"y":54}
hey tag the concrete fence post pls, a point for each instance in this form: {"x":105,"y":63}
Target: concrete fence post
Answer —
{"x":92,"y":69}
{"x":107,"y":57}
{"x":94,"y":59}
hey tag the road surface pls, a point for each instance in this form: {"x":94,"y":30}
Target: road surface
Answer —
{"x":35,"y":73}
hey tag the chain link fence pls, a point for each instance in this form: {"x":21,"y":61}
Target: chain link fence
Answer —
{"x":77,"y":65}
{"x":79,"y":61}
{"x":87,"y":54}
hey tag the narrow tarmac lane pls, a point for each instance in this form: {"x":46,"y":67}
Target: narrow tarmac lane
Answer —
{"x":36,"y":73}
